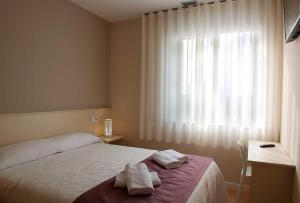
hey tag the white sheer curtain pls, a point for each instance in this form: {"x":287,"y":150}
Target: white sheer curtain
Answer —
{"x":212,"y":73}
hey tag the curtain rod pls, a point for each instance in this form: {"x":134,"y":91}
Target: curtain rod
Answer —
{"x":184,"y":7}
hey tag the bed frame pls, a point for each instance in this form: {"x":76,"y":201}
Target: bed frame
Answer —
{"x":26,"y":126}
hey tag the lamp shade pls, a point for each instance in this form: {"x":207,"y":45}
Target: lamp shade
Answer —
{"x":108,"y":127}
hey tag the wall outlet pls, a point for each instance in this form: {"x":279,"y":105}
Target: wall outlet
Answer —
{"x":94,"y":119}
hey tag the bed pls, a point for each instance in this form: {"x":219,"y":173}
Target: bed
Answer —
{"x":60,"y":176}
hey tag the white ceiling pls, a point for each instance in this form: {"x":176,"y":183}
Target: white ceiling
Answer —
{"x":117,"y":10}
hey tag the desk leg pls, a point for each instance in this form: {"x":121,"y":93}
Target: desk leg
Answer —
{"x":271,"y":184}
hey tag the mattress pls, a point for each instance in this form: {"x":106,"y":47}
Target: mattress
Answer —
{"x":61,"y":178}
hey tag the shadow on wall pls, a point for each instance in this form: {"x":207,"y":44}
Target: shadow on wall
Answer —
{"x":292,"y":142}
{"x":290,"y":132}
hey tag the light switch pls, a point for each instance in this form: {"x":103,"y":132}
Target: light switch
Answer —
{"x":94,"y":119}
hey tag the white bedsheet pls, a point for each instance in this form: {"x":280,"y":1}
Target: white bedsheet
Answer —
{"x":61,"y":178}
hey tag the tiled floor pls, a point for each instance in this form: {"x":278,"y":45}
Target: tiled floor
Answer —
{"x":232,"y":196}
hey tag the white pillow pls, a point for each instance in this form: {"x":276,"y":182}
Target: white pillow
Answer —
{"x":26,"y":151}
{"x":74,"y":140}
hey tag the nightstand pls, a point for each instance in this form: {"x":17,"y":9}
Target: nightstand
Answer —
{"x":113,"y":138}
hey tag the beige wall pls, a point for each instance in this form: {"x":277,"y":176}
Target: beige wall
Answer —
{"x":125,"y":97}
{"x":290,"y":135}
{"x":125,"y":74}
{"x":53,"y":56}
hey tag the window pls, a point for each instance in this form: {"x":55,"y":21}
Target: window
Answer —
{"x":221,"y":73}
{"x":212,"y":73}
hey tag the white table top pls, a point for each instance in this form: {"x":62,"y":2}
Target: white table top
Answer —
{"x":274,"y":155}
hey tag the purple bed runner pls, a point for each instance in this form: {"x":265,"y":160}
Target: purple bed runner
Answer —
{"x":176,"y":185}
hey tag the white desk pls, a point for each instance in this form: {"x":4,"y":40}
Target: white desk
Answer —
{"x":272,"y":173}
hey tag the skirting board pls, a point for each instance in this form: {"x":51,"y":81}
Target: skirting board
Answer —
{"x":235,"y":186}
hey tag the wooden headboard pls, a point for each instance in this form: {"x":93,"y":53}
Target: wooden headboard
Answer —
{"x":26,"y":126}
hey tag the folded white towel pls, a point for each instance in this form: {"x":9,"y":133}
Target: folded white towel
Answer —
{"x":166,"y":160}
{"x":121,"y":180}
{"x":138,"y":179}
{"x":181,"y":157}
